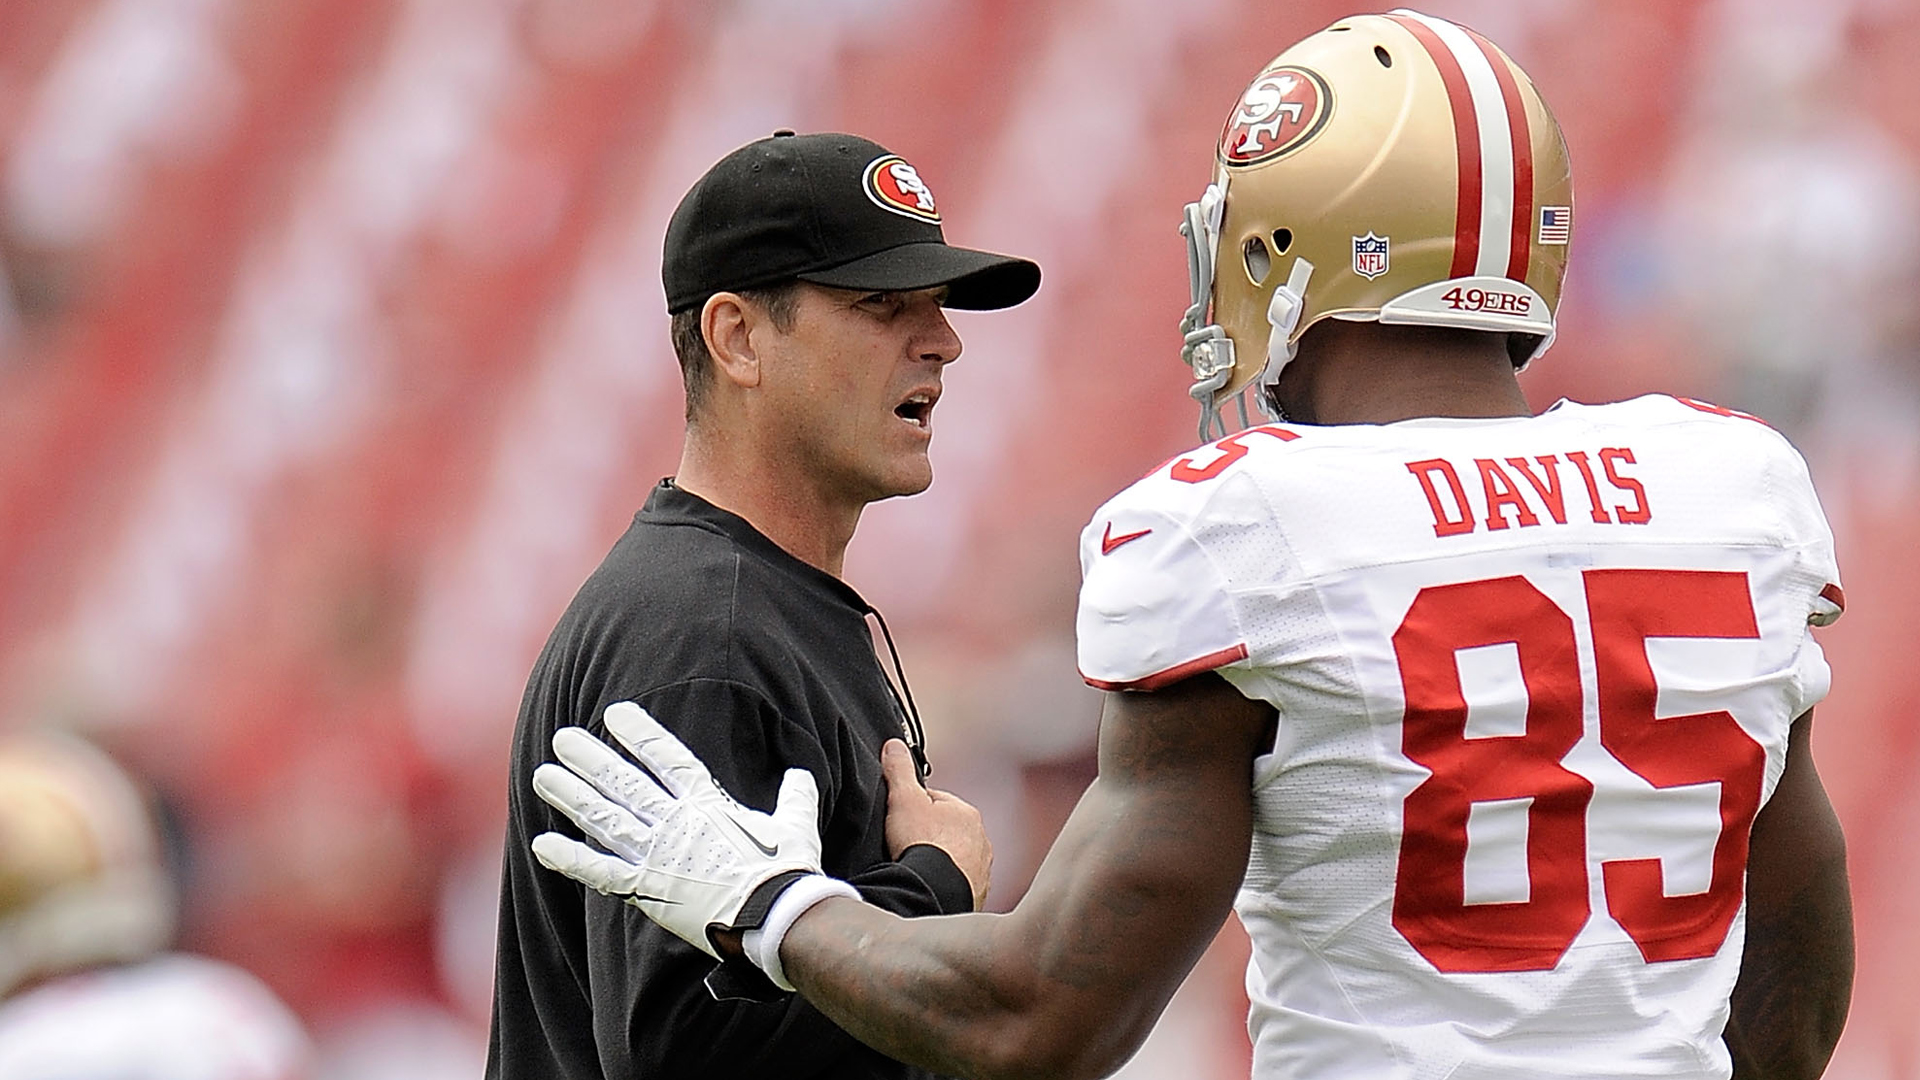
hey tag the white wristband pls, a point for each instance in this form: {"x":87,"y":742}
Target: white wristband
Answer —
{"x":762,"y":944}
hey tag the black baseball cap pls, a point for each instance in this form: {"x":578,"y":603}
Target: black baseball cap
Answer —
{"x":828,"y":208}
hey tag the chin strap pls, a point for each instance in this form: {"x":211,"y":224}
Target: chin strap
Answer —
{"x":1205,"y":346}
{"x":1283,"y":317}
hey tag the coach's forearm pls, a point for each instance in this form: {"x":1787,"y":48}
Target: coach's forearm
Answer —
{"x":955,"y":994}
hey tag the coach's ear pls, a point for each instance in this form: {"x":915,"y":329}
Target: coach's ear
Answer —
{"x":727,"y":323}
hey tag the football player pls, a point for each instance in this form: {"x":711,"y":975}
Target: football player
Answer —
{"x":87,"y":986}
{"x":1493,"y":727}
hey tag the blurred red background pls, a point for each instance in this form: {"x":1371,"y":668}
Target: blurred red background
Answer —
{"x":333,"y":356}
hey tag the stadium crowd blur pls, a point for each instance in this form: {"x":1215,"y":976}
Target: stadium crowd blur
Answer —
{"x":333,"y":356}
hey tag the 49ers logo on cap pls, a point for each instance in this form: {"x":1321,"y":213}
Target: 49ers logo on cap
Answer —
{"x":1282,"y":109}
{"x":894,"y":185}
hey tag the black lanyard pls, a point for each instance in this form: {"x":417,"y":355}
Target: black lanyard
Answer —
{"x":903,"y":700}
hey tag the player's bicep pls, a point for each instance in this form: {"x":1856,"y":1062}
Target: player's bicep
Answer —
{"x":1796,"y":831}
{"x":1071,"y":981}
{"x":1796,"y":972}
{"x":1146,"y":868}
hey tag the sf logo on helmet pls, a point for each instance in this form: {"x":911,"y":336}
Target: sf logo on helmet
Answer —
{"x":1280,"y":111}
{"x":894,"y":185}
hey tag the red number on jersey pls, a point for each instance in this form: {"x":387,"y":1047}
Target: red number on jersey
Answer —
{"x":1625,"y":607}
{"x":1719,"y":410}
{"x":1429,"y":896}
{"x":1232,"y":450}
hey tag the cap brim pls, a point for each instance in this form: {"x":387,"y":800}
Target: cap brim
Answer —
{"x":976,"y":280}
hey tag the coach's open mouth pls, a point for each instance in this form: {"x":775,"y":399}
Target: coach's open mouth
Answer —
{"x":917,"y":409}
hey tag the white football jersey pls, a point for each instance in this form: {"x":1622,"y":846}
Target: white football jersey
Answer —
{"x":1534,"y":679}
{"x":173,"y":1017}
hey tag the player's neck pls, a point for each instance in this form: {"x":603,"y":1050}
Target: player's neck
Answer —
{"x":1367,"y":377}
{"x":785,"y":509}
{"x":1431,"y":392}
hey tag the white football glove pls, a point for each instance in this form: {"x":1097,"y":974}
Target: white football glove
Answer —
{"x":683,"y":850}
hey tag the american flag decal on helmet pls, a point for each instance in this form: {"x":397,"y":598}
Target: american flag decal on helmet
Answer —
{"x":1556,"y":223}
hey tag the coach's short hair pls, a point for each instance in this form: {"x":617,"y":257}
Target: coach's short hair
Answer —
{"x":779,"y":301}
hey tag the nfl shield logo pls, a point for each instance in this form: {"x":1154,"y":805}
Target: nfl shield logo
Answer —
{"x":1369,"y":255}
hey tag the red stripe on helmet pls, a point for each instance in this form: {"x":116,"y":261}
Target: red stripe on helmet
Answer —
{"x":1521,"y":253}
{"x":1466,"y":136}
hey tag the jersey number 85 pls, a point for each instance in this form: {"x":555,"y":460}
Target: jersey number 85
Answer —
{"x":1625,"y":608}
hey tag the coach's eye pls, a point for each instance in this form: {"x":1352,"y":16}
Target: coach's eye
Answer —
{"x":881,"y":303}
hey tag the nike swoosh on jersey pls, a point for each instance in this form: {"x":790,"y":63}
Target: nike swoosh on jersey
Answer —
{"x":1108,"y":541}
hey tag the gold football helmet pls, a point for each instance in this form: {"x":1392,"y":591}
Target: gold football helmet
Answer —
{"x":1397,"y":168}
{"x":81,"y":881}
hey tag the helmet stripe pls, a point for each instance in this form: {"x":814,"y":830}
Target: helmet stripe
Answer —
{"x":1520,"y":252}
{"x":1496,"y":147}
{"x":1466,"y":129}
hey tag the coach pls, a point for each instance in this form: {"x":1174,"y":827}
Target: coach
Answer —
{"x":806,"y":278}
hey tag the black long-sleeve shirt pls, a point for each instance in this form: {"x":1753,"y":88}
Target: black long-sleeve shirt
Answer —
{"x":758,"y":662}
